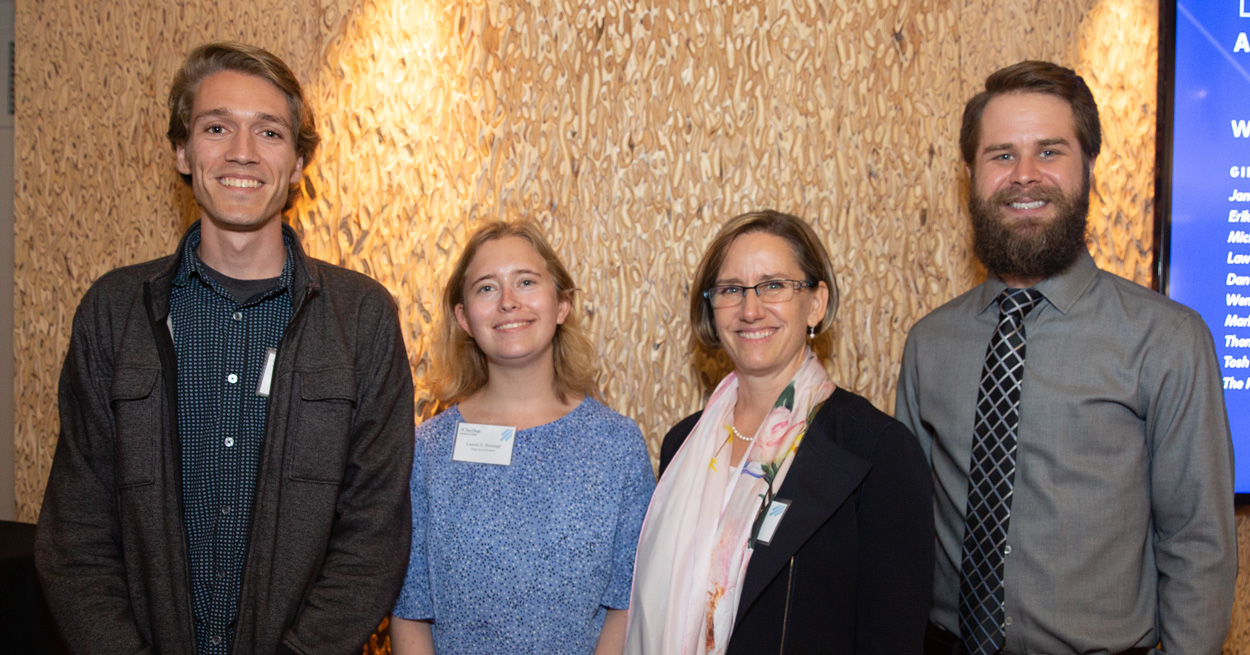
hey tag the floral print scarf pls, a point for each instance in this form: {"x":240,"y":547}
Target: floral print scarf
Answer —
{"x":700,"y":529}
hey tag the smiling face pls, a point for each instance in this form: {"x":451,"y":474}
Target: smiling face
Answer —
{"x":240,"y":152}
{"x":1030,"y":188}
{"x":766,"y":340}
{"x":511,"y":304}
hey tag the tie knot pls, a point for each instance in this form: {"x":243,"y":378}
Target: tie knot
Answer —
{"x":1017,"y":303}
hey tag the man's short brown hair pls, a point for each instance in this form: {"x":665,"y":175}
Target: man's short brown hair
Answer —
{"x":212,"y":58}
{"x":1035,"y":77}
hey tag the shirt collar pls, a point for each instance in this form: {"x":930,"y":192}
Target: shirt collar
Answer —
{"x":1061,"y":291}
{"x":189,"y":262}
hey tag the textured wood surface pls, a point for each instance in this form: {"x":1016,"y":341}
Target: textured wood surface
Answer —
{"x":630,"y":130}
{"x":1238,"y":642}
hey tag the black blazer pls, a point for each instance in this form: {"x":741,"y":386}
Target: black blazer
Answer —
{"x":850,"y":567}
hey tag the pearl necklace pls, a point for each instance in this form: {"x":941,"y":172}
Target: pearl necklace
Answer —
{"x":738,"y":435}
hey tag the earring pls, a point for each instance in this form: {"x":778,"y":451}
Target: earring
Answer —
{"x":811,"y":332}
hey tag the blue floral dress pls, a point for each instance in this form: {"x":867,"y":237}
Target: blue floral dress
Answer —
{"x":526,"y":558}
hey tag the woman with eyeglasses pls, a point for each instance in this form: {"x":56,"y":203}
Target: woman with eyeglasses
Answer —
{"x":791,"y":516}
{"x":527,"y":493}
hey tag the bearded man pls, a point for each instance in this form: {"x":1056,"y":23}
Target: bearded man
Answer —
{"x":1082,"y":461}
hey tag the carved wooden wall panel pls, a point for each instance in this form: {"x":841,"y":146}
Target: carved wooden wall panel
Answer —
{"x":631,"y":136}
{"x":631,"y":131}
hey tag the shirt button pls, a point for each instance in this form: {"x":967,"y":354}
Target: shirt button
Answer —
{"x":216,"y":640}
{"x":1007,"y":549}
{"x":229,"y":441}
{"x":225,"y":509}
{"x":232,"y":378}
{"x":238,"y":316}
{"x":221,"y":574}
{"x":1007,"y":621}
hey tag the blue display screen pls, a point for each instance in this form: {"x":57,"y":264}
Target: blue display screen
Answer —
{"x":1206,"y":223}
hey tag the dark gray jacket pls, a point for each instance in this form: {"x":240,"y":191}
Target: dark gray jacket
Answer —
{"x":330,"y":528}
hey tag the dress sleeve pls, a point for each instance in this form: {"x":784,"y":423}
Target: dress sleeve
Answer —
{"x":636,"y":490}
{"x":1191,"y":487}
{"x":415,"y":601}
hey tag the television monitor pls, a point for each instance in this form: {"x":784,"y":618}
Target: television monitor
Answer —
{"x":1202,"y":231}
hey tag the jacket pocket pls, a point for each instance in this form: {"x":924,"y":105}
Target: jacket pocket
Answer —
{"x":323,"y":425}
{"x":136,"y":425}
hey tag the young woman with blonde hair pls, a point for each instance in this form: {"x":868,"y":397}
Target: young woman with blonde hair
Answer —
{"x":527,"y":493}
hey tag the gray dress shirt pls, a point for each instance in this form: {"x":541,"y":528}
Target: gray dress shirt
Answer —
{"x":1121,"y":531}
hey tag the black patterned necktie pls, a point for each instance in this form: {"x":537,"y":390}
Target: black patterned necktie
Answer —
{"x":991,"y":476}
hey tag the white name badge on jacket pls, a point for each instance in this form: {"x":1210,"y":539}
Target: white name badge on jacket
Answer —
{"x":484,"y":444}
{"x":769,"y":527}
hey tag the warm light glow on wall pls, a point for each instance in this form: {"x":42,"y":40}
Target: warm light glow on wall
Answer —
{"x":399,"y":110}
{"x":631,"y":132}
{"x":1118,"y":55}
{"x":384,"y":98}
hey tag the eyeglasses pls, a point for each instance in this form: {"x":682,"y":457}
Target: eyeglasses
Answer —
{"x":731,"y":295}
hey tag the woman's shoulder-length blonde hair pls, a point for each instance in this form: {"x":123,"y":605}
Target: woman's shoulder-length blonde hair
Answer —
{"x":458,"y":365}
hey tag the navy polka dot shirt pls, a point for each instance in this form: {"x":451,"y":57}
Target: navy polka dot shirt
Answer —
{"x":222,"y":346}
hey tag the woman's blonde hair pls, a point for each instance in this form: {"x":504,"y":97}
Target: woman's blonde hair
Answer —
{"x":458,"y":366}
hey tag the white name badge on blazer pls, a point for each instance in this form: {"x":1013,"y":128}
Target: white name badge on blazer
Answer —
{"x":769,"y":527}
{"x":484,"y":444}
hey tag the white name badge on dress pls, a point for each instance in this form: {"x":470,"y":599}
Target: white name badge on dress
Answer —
{"x":769,"y":527}
{"x":484,"y":444}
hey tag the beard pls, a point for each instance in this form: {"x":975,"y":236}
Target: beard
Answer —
{"x":1030,"y":249}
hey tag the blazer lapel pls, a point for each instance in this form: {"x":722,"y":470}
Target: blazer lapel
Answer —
{"x":822,"y":478}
